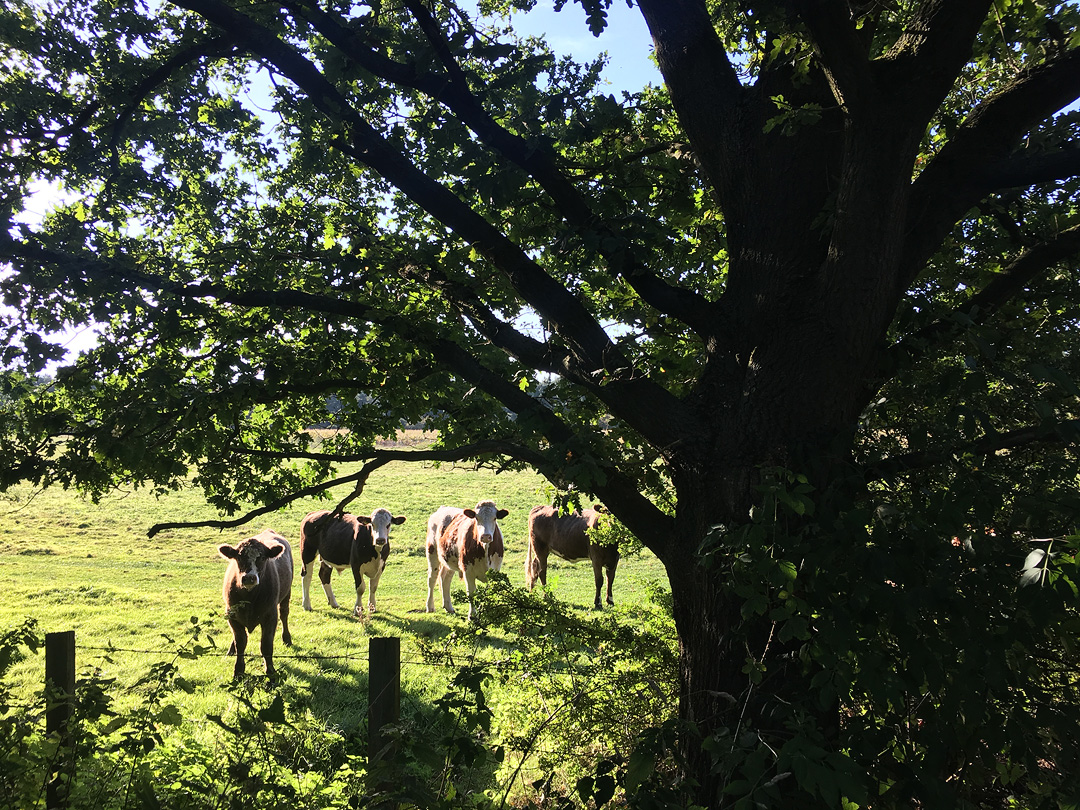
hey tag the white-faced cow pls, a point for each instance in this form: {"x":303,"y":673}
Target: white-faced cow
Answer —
{"x":567,"y":536}
{"x":468,"y":541}
{"x":346,"y":541}
{"x":258,"y":584}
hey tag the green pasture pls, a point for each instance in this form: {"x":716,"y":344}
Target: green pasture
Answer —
{"x":75,"y":565}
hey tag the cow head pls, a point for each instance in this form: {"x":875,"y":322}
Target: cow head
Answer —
{"x":485,"y":514}
{"x":380,"y":522}
{"x":592,"y":516}
{"x":250,"y":557}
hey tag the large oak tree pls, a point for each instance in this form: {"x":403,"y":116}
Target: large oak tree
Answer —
{"x":796,"y":318}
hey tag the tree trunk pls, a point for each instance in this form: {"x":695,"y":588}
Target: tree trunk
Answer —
{"x":741,"y":687}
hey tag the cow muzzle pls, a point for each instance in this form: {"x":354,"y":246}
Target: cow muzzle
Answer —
{"x":249,"y":581}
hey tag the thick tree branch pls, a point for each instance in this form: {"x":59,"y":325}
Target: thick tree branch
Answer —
{"x":462,"y":453}
{"x":652,"y":411}
{"x":532,"y":352}
{"x":704,"y":85}
{"x":842,"y":54}
{"x":1064,"y":434}
{"x":1023,"y":170}
{"x":687,"y":47}
{"x":926,"y":59}
{"x":977,"y":160}
{"x":357,"y":478}
{"x":1025,"y":268}
{"x":636,"y":512}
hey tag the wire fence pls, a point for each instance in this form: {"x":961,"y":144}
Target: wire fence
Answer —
{"x":218,"y":653}
{"x":568,"y":668}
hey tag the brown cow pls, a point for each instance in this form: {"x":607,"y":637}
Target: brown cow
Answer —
{"x":257,"y":587}
{"x":568,"y":537}
{"x":346,"y":541}
{"x":468,"y":541}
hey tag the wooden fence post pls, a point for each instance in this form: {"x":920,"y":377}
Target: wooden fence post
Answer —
{"x":60,"y":708}
{"x":384,"y":690}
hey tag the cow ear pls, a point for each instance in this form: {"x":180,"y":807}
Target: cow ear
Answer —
{"x":501,"y":514}
{"x":274,"y":550}
{"x":228,"y":552}
{"x":363,"y":519}
{"x":597,"y":507}
{"x":469,"y":513}
{"x":398,"y":520}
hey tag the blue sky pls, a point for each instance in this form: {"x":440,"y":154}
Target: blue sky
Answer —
{"x":626,"y":40}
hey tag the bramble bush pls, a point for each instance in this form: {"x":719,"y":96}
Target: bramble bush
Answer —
{"x":939,"y":661}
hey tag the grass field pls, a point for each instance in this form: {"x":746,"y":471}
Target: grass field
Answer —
{"x":74,"y":565}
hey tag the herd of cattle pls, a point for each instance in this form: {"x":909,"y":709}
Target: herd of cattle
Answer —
{"x":259,"y":576}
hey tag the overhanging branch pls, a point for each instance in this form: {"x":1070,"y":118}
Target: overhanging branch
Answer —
{"x":978,"y":159}
{"x":358,"y":478}
{"x":1023,"y":171}
{"x":1064,"y":434}
{"x":468,"y":451}
{"x":1025,"y":268}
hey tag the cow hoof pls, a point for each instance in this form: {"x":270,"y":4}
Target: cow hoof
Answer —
{"x":287,"y":639}
{"x":307,"y":607}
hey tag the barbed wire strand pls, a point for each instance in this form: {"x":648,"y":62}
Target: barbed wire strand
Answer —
{"x":419,"y":662}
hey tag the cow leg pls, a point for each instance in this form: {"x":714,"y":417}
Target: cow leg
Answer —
{"x":610,"y":582}
{"x":305,"y":579}
{"x":307,"y":557}
{"x":358,"y":580}
{"x":433,"y":566}
{"x":374,"y":585}
{"x":598,"y":576}
{"x":283,"y":609}
{"x":537,"y":565}
{"x":447,"y":580}
{"x":470,"y":586}
{"x":239,"y":645}
{"x":266,"y":643}
{"x":324,"y":576}
{"x":542,"y":559}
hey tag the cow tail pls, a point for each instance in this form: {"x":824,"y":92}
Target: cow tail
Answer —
{"x":530,"y":574}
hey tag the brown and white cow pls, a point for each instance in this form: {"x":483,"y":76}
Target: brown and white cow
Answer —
{"x":567,"y":536}
{"x":257,"y":588}
{"x":346,"y":541}
{"x":468,"y":541}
